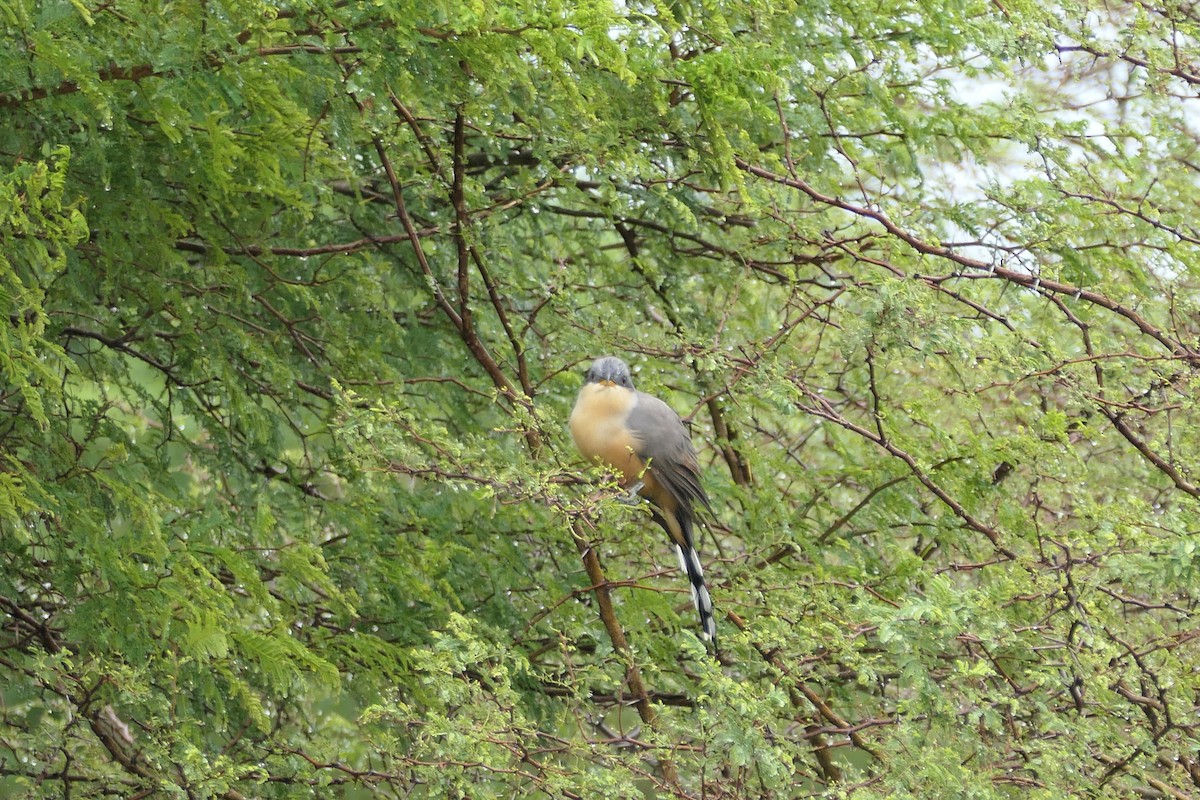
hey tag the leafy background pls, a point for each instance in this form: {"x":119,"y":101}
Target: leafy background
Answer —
{"x":297,"y":299}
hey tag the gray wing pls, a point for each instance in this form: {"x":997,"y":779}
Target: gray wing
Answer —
{"x":665,"y":443}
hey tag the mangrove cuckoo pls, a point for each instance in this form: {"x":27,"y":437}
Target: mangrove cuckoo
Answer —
{"x":646,"y":442}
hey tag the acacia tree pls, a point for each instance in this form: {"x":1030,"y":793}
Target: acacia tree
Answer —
{"x":297,"y":298}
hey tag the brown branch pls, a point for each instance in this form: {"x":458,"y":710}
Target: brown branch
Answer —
{"x":121,"y":345}
{"x":1139,"y":444}
{"x":103,"y":721}
{"x":422,"y":138}
{"x":460,"y":318}
{"x":514,"y":342}
{"x":466,"y":325}
{"x":1190,"y":78}
{"x":859,"y":506}
{"x":458,"y":231}
{"x":1153,"y":222}
{"x":726,"y":435}
{"x":335,"y":248}
{"x":313,"y":49}
{"x":991,"y":270}
{"x":608,"y":615}
{"x":1117,"y":418}
{"x":821,"y":408}
{"x":830,"y":770}
{"x":111,"y":73}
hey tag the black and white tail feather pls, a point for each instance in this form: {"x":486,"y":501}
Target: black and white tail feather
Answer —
{"x":689,"y":563}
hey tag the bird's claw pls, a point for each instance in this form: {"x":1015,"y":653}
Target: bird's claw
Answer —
{"x":632,"y":498}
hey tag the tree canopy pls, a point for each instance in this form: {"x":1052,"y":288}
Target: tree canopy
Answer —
{"x":297,"y":297}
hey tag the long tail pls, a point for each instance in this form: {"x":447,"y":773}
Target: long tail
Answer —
{"x":689,"y":561}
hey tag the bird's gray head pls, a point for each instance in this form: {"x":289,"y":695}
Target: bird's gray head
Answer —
{"x":610,"y":369}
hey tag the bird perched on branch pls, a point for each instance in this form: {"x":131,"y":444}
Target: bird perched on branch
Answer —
{"x":643,"y":439}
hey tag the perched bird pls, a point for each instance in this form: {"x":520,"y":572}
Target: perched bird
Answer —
{"x":644,"y":440}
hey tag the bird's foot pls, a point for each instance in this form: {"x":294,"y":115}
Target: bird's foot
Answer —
{"x":632,"y":498}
